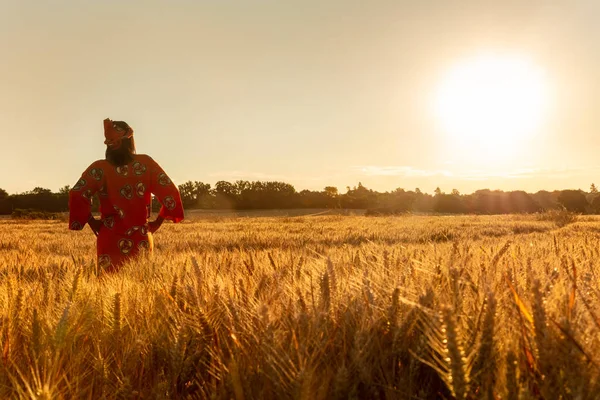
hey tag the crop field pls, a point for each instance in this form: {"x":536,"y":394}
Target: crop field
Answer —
{"x":309,"y":307}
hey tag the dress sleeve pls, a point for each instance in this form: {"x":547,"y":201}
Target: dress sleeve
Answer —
{"x":167,"y":193}
{"x":80,"y":197}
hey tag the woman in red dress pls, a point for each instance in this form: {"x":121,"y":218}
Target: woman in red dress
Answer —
{"x":125,"y":182}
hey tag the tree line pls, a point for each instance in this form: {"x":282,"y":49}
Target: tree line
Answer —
{"x":247,"y":195}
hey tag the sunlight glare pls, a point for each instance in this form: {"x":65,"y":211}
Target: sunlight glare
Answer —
{"x":492,"y":104}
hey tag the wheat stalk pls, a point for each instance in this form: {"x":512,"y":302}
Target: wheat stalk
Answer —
{"x":455,"y":356}
{"x":116,"y":314}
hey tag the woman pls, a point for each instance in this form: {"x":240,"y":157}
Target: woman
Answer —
{"x":125,"y":182}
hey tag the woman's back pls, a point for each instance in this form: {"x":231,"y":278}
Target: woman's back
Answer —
{"x":125,"y":194}
{"x":125,"y":191}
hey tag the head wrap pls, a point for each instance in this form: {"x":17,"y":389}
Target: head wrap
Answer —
{"x":115,"y":133}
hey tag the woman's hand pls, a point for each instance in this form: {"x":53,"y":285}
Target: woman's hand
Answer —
{"x":95,"y":224}
{"x":154,"y":225}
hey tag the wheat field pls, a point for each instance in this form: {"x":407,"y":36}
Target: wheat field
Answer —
{"x":316,"y":307}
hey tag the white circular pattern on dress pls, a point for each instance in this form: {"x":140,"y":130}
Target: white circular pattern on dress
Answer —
{"x":125,"y":245}
{"x":76,"y":226}
{"x":140,"y":189}
{"x":132,"y":230}
{"x":88,"y":194}
{"x":138,"y":168}
{"x":144,"y":245}
{"x":109,"y":222}
{"x":127,"y":192}
{"x":104,"y":261}
{"x":120,"y":212}
{"x":123,"y":170}
{"x":80,"y":184}
{"x":163,"y":179}
{"x":170,"y":203}
{"x":96,"y":173}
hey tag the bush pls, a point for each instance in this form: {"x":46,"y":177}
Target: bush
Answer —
{"x":561,"y":217}
{"x":34,"y":214}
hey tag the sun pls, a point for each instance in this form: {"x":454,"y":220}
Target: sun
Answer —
{"x":490,"y":105}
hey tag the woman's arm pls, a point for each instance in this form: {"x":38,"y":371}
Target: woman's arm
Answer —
{"x":167,"y":193}
{"x":154,"y":225}
{"x":80,"y":197}
{"x":95,"y":224}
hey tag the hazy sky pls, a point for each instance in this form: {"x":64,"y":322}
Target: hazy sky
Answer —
{"x":313,"y":93}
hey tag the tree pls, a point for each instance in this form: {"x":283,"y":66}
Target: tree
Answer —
{"x":41,"y":191}
{"x":186,"y":191}
{"x":330,"y":197}
{"x":64,"y":190}
{"x":331,"y":191}
{"x":5,"y":205}
{"x":402,"y":201}
{"x":546,"y":199}
{"x":447,"y":203}
{"x":195,"y":194}
{"x":423,"y":201}
{"x":521,"y":202}
{"x":573,"y":200}
{"x":438,"y":191}
{"x":596,"y":205}
{"x":226,"y":189}
{"x":455,"y":192}
{"x":360,"y":198}
{"x":593,"y":189}
{"x":226,"y":195}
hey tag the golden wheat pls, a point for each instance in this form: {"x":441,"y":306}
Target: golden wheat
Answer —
{"x":310,"y":307}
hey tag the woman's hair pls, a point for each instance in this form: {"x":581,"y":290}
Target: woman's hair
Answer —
{"x":124,"y":154}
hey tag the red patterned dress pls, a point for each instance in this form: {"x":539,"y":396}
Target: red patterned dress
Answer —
{"x":125,"y":195}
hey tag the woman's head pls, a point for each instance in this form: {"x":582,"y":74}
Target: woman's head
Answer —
{"x":120,"y":145}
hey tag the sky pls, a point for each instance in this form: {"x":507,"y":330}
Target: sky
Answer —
{"x":311,"y":92}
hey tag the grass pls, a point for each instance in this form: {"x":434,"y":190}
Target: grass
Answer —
{"x":311,"y":307}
